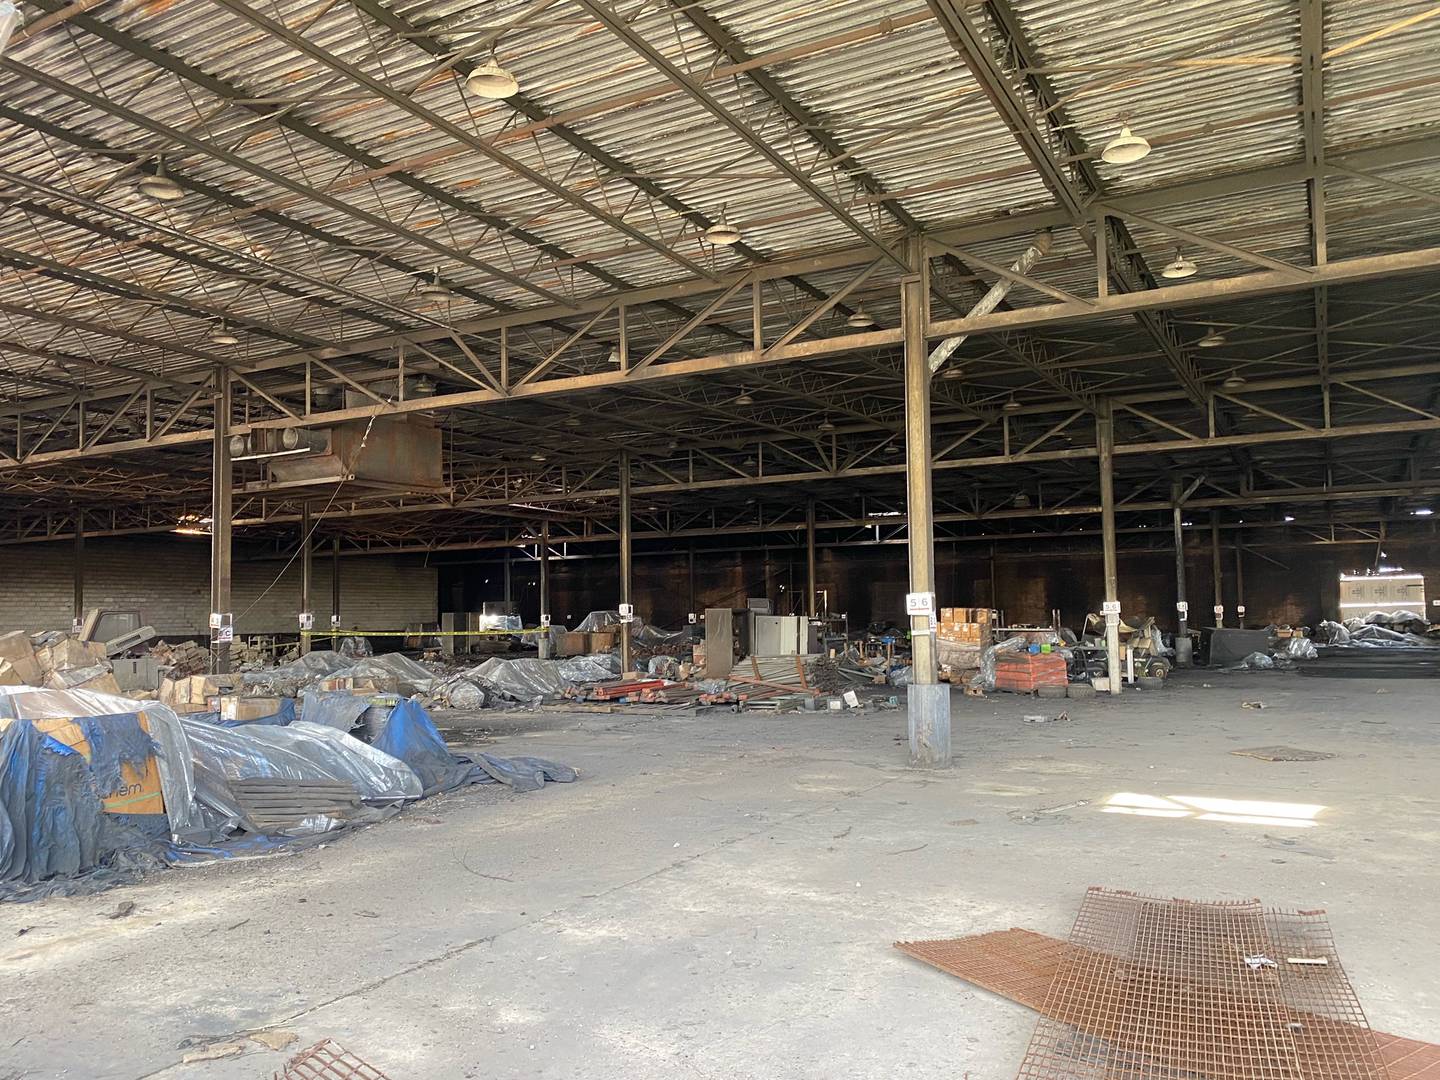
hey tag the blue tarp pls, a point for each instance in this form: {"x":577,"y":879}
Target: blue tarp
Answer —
{"x":55,"y":837}
{"x":411,"y":736}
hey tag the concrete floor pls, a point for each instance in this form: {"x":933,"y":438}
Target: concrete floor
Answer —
{"x":717,"y":897}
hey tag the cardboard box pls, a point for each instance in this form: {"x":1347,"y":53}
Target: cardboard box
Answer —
{"x":244,"y":709}
{"x":15,"y":648}
{"x":68,"y":653}
{"x":573,"y":644}
{"x":8,"y":675}
{"x":97,"y":677}
{"x":603,"y":641}
{"x":139,"y":792}
{"x":364,"y":684}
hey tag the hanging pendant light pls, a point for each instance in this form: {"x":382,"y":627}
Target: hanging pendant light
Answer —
{"x":614,"y":357}
{"x":223,"y":336}
{"x":1213,"y":339}
{"x":1180,"y":267}
{"x":432,"y":291}
{"x":1126,"y":148}
{"x":860,"y":319}
{"x":826,"y":425}
{"x":1011,"y":406}
{"x":1234,"y":382}
{"x":492,"y":82}
{"x":744,"y":398}
{"x":722,"y":233}
{"x":159,"y":187}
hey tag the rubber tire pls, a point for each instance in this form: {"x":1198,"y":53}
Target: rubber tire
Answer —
{"x":1050,"y":691}
{"x":1080,"y":690}
{"x":1151,"y":682}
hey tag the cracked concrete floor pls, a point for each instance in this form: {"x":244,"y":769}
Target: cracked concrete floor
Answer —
{"x":717,"y":897}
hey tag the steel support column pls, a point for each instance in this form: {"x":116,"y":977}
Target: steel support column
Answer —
{"x":1105,"y":445}
{"x":928,"y":700}
{"x":1182,"y":610}
{"x":1215,"y":568}
{"x":544,"y":641}
{"x":627,"y":658}
{"x":221,"y":512}
{"x":307,"y":575}
{"x":79,"y":595}
{"x":1239,"y":581}
{"x":811,"y":585}
{"x":335,"y":586}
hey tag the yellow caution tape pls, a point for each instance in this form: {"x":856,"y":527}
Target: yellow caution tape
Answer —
{"x":422,"y":633}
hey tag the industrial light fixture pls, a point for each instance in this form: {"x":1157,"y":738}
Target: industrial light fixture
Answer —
{"x":1289,"y":517}
{"x":424,"y":386}
{"x":826,"y":425}
{"x":492,"y":82}
{"x":1180,"y":267}
{"x":572,"y":421}
{"x":614,"y":357}
{"x":893,"y":448}
{"x":1021,"y":501}
{"x":1213,"y":339}
{"x":158,"y":187}
{"x":1126,"y":148}
{"x":722,"y":233}
{"x":1233,"y":382}
{"x":860,"y":319}
{"x":673,"y":444}
{"x":952,"y":373}
{"x":1011,"y":406}
{"x":223,"y":336}
{"x":537,"y":456}
{"x":744,"y":398}
{"x":432,"y":290}
{"x":1423,"y":511}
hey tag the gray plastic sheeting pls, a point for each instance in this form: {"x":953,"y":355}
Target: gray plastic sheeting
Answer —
{"x":526,"y":678}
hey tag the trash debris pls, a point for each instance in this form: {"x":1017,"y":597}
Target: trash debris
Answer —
{"x":1282,"y":753}
{"x":1308,"y":961}
{"x":1253,"y":705}
{"x":1039,"y":719}
{"x":1256,"y":661}
{"x":1256,"y":963}
{"x":122,"y":910}
{"x":275,"y":1040}
{"x":213,"y":1052}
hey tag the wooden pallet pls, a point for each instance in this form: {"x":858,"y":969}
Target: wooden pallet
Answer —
{"x":269,"y":804}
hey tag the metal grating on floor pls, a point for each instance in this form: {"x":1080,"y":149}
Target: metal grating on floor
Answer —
{"x":1154,"y":989}
{"x":1021,"y":964}
{"x":327,"y":1060}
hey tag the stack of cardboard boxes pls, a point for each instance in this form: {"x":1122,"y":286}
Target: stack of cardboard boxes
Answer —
{"x":1022,"y":672}
{"x":961,"y":636}
{"x":63,"y":663}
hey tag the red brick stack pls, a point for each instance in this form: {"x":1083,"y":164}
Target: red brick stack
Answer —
{"x":1022,"y":672}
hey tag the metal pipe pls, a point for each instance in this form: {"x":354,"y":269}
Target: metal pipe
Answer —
{"x":1105,"y":443}
{"x":1215,"y":568}
{"x":991,"y":300}
{"x":221,"y":513}
{"x":928,"y":700}
{"x":627,"y":658}
{"x":307,"y":577}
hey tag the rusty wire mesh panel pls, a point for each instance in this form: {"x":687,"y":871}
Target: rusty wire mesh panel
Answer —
{"x":327,"y":1060}
{"x":1154,"y":989}
{"x":1017,"y":964}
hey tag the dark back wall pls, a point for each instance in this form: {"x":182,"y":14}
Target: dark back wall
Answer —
{"x":1297,"y":584}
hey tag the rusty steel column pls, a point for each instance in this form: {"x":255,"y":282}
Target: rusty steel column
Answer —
{"x":811,"y":584}
{"x":1182,"y":605}
{"x":307,"y":577}
{"x":1215,"y":568}
{"x":927,"y":698}
{"x":627,"y":651}
{"x":1239,"y":579}
{"x":78,"y":618}
{"x":1105,"y":443}
{"x":334,"y":589}
{"x":221,"y":512}
{"x":543,"y":642}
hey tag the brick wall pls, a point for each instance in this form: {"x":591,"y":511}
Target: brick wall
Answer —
{"x":168,"y":581}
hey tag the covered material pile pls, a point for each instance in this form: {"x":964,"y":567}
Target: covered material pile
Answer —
{"x":95,"y":787}
{"x":55,"y":660}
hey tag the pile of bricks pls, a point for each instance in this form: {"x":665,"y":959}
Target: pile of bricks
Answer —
{"x":1022,"y":672}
